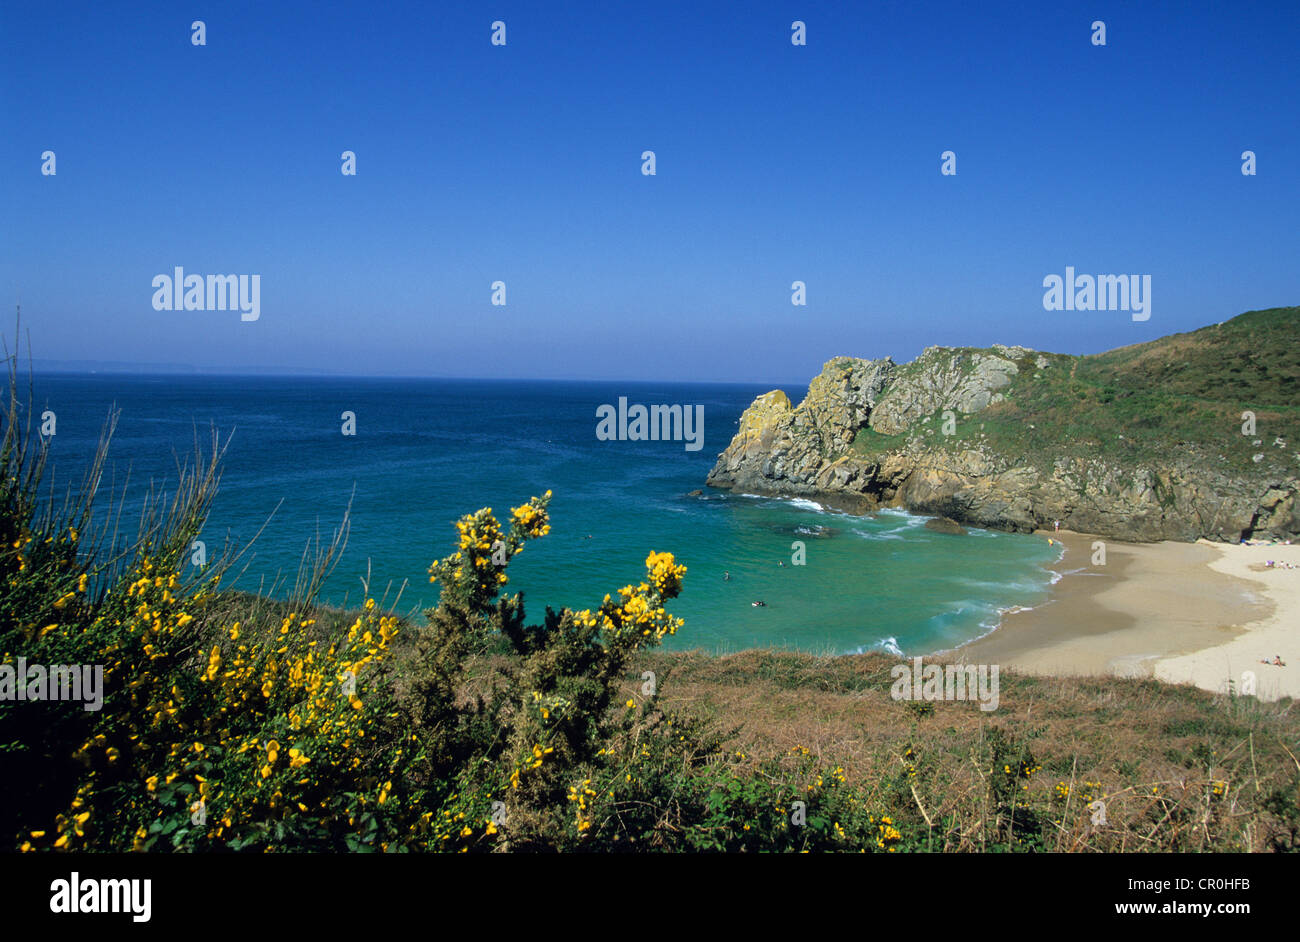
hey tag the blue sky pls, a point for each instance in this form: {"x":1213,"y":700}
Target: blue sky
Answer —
{"x":775,"y":163}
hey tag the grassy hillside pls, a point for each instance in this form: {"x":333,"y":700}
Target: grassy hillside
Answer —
{"x":1179,"y":769}
{"x":1177,"y":397}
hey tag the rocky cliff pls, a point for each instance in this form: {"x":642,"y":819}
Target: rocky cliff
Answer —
{"x":1194,"y":435}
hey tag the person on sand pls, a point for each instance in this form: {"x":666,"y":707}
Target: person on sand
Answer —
{"x":1278,"y":662}
{"x":1056,"y":526}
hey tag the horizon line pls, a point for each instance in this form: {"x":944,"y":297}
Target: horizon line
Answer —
{"x":174,"y":370}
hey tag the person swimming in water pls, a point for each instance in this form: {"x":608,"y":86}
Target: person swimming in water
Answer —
{"x":759,"y":604}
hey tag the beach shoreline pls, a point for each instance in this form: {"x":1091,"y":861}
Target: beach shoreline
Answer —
{"x":1200,"y":613}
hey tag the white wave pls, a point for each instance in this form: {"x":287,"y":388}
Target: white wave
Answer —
{"x":1016,"y":609}
{"x":888,"y":645}
{"x":960,"y":607}
{"x":1081,"y":571}
{"x":988,"y":626}
{"x":910,"y":520}
{"x":992,"y":626}
{"x":805,"y":504}
{"x":999,"y":586}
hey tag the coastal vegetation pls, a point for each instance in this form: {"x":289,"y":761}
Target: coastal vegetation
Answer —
{"x":235,"y":722}
{"x":1179,"y":395}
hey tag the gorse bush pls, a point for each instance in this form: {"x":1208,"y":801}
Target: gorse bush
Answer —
{"x":481,"y":731}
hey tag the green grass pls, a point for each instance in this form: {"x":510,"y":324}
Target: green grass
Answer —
{"x":1181,"y":396}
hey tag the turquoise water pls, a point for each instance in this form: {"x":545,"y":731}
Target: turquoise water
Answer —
{"x":428,"y":450}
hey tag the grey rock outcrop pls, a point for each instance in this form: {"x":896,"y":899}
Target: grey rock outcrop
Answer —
{"x":869,"y":434}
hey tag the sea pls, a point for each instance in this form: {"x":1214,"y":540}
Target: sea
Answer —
{"x":426,"y":451}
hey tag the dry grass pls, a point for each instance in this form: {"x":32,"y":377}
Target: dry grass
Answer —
{"x":1154,"y":753}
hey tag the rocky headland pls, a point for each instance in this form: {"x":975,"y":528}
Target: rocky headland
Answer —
{"x":1189,"y":436}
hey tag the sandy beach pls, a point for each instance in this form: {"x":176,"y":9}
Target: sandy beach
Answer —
{"x":1197,"y":613}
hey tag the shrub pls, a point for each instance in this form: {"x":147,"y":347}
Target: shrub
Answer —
{"x":266,"y":731}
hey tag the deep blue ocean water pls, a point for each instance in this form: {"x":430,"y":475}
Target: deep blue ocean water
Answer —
{"x":427,"y":450}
